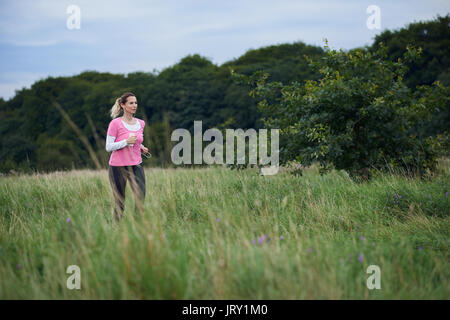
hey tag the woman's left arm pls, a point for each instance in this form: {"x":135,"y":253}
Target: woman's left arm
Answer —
{"x":142,"y":147}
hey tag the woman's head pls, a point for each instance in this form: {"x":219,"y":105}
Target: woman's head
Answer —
{"x":127,"y":102}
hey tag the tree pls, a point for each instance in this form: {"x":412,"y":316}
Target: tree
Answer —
{"x":434,"y":39}
{"x":54,"y":154}
{"x":356,"y":117}
{"x":434,"y":64}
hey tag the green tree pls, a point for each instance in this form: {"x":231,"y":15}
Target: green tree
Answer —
{"x":434,"y":64}
{"x":55,"y":154}
{"x":433,"y":37}
{"x":356,"y":117}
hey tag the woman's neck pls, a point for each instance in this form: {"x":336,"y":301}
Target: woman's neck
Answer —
{"x":127,"y":117}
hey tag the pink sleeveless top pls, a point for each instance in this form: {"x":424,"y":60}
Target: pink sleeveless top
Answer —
{"x":129,"y":155}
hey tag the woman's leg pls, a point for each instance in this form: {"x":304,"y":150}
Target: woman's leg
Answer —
{"x":118,"y":181}
{"x":137,"y":183}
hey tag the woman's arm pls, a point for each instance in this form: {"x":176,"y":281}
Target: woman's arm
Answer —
{"x":111,"y":145}
{"x":142,"y":147}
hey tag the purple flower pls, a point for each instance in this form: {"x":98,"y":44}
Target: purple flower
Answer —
{"x":420,"y":248}
{"x":281,"y":237}
{"x":68,"y":220}
{"x":362,"y":238}
{"x":446,"y":194}
{"x":360,"y":258}
{"x":253,"y":241}
{"x":260,"y":240}
{"x":310,"y":249}
{"x":218,"y":219}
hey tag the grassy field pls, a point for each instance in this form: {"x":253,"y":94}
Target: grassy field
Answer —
{"x":221,"y":234}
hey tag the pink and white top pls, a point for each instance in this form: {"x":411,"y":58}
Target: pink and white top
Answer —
{"x":124,"y":154}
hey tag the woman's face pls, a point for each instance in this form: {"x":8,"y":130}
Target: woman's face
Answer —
{"x":130,"y":105}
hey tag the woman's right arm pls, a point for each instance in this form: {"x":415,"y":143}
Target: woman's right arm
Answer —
{"x":111,"y":135}
{"x":111,"y":145}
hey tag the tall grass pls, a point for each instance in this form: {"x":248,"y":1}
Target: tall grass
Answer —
{"x":220,"y":234}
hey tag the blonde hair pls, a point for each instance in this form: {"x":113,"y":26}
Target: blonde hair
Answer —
{"x":116,"y":108}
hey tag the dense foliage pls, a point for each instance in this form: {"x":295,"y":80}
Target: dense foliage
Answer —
{"x":357,"y":117}
{"x":34,"y":133}
{"x":434,"y":63}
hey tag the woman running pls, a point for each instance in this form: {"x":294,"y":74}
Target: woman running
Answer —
{"x":124,"y":139}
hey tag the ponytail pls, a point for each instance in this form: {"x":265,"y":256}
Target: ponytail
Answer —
{"x":115,"y":110}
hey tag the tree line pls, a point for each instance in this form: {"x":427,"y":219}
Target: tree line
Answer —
{"x":60,"y":122}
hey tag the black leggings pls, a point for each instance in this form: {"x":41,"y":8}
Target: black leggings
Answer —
{"x":118,"y":176}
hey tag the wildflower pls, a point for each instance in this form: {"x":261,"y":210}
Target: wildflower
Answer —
{"x":446,"y":194}
{"x":218,"y":219}
{"x":281,"y":237}
{"x":420,"y":248}
{"x":260,"y":240}
{"x":360,"y":258}
{"x":253,"y":241}
{"x":310,"y":249}
{"x":362,"y":238}
{"x":68,"y":220}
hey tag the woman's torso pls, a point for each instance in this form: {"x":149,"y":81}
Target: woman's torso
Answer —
{"x":129,"y":155}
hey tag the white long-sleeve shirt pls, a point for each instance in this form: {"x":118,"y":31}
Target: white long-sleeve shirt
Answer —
{"x":111,"y":145}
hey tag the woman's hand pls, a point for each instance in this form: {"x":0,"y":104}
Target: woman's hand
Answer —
{"x":131,"y":139}
{"x":144,"y":149}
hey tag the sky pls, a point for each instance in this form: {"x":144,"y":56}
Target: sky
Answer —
{"x":38,"y":40}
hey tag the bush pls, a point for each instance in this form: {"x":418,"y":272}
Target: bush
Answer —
{"x":357,"y":117}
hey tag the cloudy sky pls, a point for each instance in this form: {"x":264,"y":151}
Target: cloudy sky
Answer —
{"x":126,"y":36}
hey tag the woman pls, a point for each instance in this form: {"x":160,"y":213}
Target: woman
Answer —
{"x":124,"y":139}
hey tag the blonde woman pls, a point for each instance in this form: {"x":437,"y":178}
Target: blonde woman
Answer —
{"x":124,"y":140}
